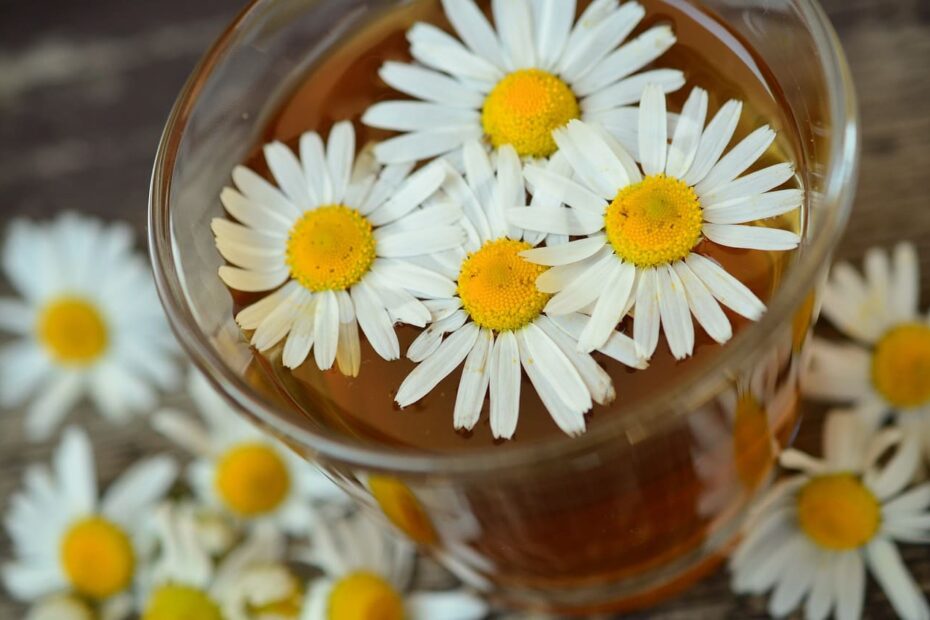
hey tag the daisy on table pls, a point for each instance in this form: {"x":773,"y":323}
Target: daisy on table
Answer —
{"x":495,"y":321}
{"x":333,"y":244}
{"x":887,"y":367}
{"x":88,"y":322}
{"x":67,"y":538}
{"x":642,"y":224}
{"x":242,"y":471}
{"x":366,"y":572}
{"x":251,"y":582}
{"x":815,"y":533}
{"x":513,"y":86}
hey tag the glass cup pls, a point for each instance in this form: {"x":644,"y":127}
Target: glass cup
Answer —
{"x":644,"y":503}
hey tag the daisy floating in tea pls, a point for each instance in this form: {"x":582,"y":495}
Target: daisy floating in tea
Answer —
{"x":642,"y":224}
{"x":514,"y":85}
{"x":496,"y":322}
{"x":338,"y":233}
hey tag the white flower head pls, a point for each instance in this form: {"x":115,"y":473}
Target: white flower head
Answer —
{"x":513,"y":86}
{"x":333,"y":242}
{"x":886,"y":370}
{"x":494,"y":322}
{"x":241,"y":470}
{"x":815,"y":533}
{"x":88,"y":322}
{"x":251,"y":582}
{"x":642,"y":224}
{"x":66,"y":537}
{"x":366,"y":569}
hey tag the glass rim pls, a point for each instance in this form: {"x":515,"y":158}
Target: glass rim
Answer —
{"x":656,"y":409}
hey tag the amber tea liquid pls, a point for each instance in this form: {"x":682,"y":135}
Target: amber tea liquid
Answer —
{"x":635,"y":513}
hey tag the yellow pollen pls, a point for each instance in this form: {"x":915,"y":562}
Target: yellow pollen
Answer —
{"x":176,"y":602}
{"x":498,"y":286}
{"x":752,"y":442}
{"x":901,"y":365}
{"x":252,"y":479}
{"x":654,"y":222}
{"x":73,"y":331}
{"x":523,"y":109}
{"x":97,"y":558}
{"x":837,"y":512}
{"x":364,"y":596}
{"x":403,"y":509}
{"x":330,"y":248}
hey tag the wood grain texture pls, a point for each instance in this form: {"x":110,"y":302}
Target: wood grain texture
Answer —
{"x":86,"y":86}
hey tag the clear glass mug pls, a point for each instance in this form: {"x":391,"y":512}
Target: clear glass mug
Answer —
{"x":643,"y":504}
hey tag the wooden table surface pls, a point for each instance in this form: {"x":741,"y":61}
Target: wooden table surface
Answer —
{"x":85,"y":88}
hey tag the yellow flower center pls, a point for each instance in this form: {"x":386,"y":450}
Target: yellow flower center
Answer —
{"x":97,"y":558}
{"x":498,"y":286}
{"x":524,"y":108}
{"x":837,"y":512}
{"x":403,"y":509}
{"x":175,"y":602}
{"x":73,"y":330}
{"x":330,"y":248}
{"x":364,"y":596}
{"x":654,"y":222}
{"x":752,"y":442}
{"x":252,"y":479}
{"x":901,"y":365}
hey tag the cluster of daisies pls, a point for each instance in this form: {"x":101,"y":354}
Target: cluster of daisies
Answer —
{"x":536,"y":194}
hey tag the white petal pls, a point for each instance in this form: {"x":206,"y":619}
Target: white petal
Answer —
{"x":566,"y":253}
{"x":473,"y":28}
{"x":559,"y":220}
{"x":249,"y":258}
{"x":340,"y":152}
{"x":24,"y":366}
{"x":795,"y":583}
{"x":509,"y":192}
{"x":897,"y":473}
{"x":619,"y":346}
{"x":560,"y":189}
{"x":437,"y":366}
{"x":627,"y":59}
{"x":264,"y":193}
{"x":505,"y":385}
{"x":388,"y":181}
{"x":53,"y":403}
{"x":754,"y":183}
{"x":231,"y":232}
{"x":253,"y":281}
{"x":553,"y":20}
{"x":675,"y":314}
{"x":316,"y":170}
{"x":595,"y":378}
{"x":514,"y":27}
{"x":820,"y":600}
{"x":757,"y":207}
{"x":612,"y":305}
{"x":591,"y":158}
{"x":905,"y":283}
{"x":889,"y":570}
{"x":252,"y":316}
{"x":416,"y":189}
{"x":348,"y":351}
{"x":915,"y":500}
{"x":628,"y":91}
{"x":425,"y":144}
{"x":648,"y":319}
{"x":75,"y":470}
{"x":713,"y":141}
{"x":583,"y":289}
{"x":252,"y":214}
{"x":138,"y":489}
{"x":287,"y":172}
{"x":728,"y":290}
{"x":417,"y":116}
{"x":429,"y":339}
{"x":182,"y":430}
{"x":740,"y":157}
{"x":300,"y":339}
{"x":434,"y":48}
{"x":597,"y":32}
{"x":751,"y":237}
{"x":422,"y":83}
{"x":417,"y":242}
{"x":473,"y":384}
{"x":419,"y":280}
{"x":687,"y":134}
{"x":277,"y":323}
{"x":703,"y":305}
{"x":653,"y":139}
{"x":375,"y":322}
{"x":325,"y":329}
{"x":446,"y":605}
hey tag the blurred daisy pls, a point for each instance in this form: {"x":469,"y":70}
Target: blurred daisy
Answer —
{"x":495,"y":319}
{"x":365,"y":575}
{"x":240,"y":469}
{"x":642,"y":227}
{"x":337,"y":235}
{"x":89,"y":322}
{"x":514,"y":86}
{"x":67,"y":538}
{"x":72,"y":607}
{"x":815,"y":533}
{"x":887,"y":369}
{"x":251,"y":582}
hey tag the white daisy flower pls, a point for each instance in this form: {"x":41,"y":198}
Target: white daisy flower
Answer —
{"x":251,"y":582}
{"x":68,"y":538}
{"x":887,"y":368}
{"x":641,"y":226}
{"x":536,"y":72}
{"x":495,"y":321}
{"x":89,"y":322}
{"x":338,"y":235}
{"x":241,"y":470}
{"x":815,"y":533}
{"x":366,"y":572}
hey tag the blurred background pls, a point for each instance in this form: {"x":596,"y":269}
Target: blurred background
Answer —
{"x":85,"y":88}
